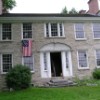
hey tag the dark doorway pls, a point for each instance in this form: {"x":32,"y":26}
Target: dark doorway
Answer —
{"x":56,"y":66}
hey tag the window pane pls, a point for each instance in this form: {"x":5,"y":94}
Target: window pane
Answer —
{"x":79,"y":30}
{"x":98,"y":57}
{"x":82,"y":58}
{"x":6,"y":62}
{"x":6,"y":31}
{"x":28,"y":61}
{"x":54,"y":29}
{"x":96,"y":30}
{"x":45,"y":61}
{"x":27,"y":30}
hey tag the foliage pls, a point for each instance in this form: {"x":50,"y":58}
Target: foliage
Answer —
{"x":64,"y":10}
{"x":66,"y":93}
{"x":8,"y":4}
{"x":19,"y":77}
{"x":72,"y":11}
{"x":96,"y":73}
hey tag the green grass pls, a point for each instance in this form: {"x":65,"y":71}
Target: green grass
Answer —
{"x":68,"y":93}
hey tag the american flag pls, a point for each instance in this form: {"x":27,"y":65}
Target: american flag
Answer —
{"x":27,"y":48}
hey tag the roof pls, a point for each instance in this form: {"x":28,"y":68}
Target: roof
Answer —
{"x":45,"y":15}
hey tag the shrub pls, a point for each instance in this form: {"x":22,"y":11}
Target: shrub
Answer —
{"x":96,"y":73}
{"x":19,"y":77}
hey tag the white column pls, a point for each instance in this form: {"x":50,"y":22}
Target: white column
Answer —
{"x":70,"y":63}
{"x":49,"y":64}
{"x":41,"y":64}
{"x":63,"y":64}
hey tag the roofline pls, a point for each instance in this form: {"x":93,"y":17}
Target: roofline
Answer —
{"x":47,"y":17}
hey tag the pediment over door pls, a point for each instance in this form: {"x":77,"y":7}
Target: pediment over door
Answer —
{"x":55,"y":47}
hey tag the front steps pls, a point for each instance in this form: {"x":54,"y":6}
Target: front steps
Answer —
{"x":59,"y":83}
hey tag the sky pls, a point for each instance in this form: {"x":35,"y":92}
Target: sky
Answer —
{"x":48,"y":6}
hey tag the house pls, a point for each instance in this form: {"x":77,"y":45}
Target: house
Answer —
{"x":64,"y":46}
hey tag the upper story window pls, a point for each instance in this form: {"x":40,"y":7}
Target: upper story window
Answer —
{"x":6,"y":31}
{"x":29,"y":62}
{"x":82,"y":59}
{"x":96,"y":30}
{"x":98,"y":58}
{"x":54,"y":30}
{"x":27,"y":30}
{"x":79,"y":31}
{"x":6,"y":62}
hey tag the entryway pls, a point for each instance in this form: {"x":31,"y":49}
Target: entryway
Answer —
{"x":56,"y":64}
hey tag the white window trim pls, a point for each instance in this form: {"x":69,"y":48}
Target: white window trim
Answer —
{"x":11,"y":33}
{"x":96,"y":59}
{"x":22,"y":32}
{"x":1,"y":62}
{"x":58,"y":29}
{"x":33,"y":63}
{"x":93,"y":32}
{"x":87,"y":67}
{"x":75,"y":33}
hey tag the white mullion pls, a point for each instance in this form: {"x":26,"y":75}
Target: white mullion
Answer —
{"x":49,"y":29}
{"x":58,"y":30}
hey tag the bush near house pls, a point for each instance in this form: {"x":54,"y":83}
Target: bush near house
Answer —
{"x":96,"y":73}
{"x":19,"y":77}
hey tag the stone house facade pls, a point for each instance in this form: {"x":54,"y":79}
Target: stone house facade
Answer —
{"x":64,"y":46}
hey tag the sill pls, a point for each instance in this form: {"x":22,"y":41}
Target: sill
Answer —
{"x":80,"y":39}
{"x":83,"y":68}
{"x":56,"y":37}
{"x":32,"y":72}
{"x":96,"y":38}
{"x":45,"y":70}
{"x":6,"y":41}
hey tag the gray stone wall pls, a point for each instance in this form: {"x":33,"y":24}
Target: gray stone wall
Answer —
{"x":39,"y":41}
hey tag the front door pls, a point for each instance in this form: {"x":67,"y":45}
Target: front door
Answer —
{"x":56,"y":64}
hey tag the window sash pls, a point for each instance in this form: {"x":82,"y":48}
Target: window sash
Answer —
{"x":6,"y":31}
{"x":29,"y":62}
{"x":54,"y":29}
{"x":96,"y":30}
{"x":45,"y":61}
{"x":27,"y":30}
{"x":6,"y":62}
{"x":98,"y":57}
{"x":82,"y":59}
{"x":79,"y":30}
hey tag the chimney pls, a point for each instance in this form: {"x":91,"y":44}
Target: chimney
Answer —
{"x":93,"y":6}
{"x":0,"y":7}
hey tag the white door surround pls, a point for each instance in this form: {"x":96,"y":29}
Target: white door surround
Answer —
{"x":45,"y":61}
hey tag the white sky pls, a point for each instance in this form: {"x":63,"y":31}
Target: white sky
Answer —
{"x":48,"y":6}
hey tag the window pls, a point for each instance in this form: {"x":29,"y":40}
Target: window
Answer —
{"x":98,"y":57}
{"x":67,"y":62}
{"x":27,"y":30}
{"x":6,"y":62}
{"x":45,"y":61}
{"x":6,"y":31}
{"x":54,"y":30}
{"x":79,"y":31}
{"x":82,"y":59}
{"x":96,"y":30}
{"x":28,"y":61}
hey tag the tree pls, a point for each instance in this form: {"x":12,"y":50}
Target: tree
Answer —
{"x":73,"y":11}
{"x":64,"y":10}
{"x":8,"y":5}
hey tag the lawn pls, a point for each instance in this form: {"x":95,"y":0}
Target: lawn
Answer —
{"x":66,"y":93}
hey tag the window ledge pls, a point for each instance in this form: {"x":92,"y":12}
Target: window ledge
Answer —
{"x":96,"y":38}
{"x":55,"y":37}
{"x":6,"y":41}
{"x":81,"y":39}
{"x":32,"y":72}
{"x":84,"y":68}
